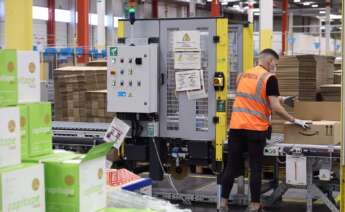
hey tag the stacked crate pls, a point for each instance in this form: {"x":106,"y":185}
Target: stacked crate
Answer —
{"x":71,"y":86}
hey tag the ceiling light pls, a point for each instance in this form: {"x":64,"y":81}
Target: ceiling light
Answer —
{"x":307,"y":3}
{"x":322,"y":12}
{"x":314,"y":5}
{"x":296,"y":1}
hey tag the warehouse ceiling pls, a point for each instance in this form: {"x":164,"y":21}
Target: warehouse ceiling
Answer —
{"x":304,"y":7}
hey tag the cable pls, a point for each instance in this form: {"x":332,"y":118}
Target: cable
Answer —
{"x":186,"y":202}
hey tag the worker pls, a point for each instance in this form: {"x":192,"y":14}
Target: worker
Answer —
{"x":257,"y":95}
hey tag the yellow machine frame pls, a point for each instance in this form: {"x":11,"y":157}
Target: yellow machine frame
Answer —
{"x":222,"y":95}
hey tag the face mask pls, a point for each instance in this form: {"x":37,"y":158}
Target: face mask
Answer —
{"x":273,"y":67}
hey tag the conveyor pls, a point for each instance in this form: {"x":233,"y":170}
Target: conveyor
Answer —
{"x":319,"y":159}
{"x":81,"y":136}
{"x":78,"y":136}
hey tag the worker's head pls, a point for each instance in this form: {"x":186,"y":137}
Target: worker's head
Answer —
{"x":268,"y":58}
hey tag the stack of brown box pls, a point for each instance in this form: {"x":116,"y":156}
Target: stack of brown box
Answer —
{"x":71,"y":85}
{"x":96,"y":107}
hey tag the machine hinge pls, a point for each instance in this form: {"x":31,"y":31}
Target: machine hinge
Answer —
{"x":216,"y":39}
{"x":121,"y":40}
{"x":153,"y":40}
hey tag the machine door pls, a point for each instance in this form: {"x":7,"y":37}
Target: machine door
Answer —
{"x":179,"y":116}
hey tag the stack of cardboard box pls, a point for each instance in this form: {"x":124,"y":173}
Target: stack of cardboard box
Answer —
{"x":71,"y":85}
{"x":302,"y":76}
{"x":24,"y":131}
{"x":33,"y":177}
{"x":331,"y":92}
{"x":96,"y":107}
{"x":337,"y":77}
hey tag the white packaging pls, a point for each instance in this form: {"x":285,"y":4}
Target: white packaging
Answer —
{"x":10,"y":152}
{"x":22,"y":188}
{"x":116,"y":132}
{"x":29,"y":82}
{"x":296,"y":170}
{"x":92,"y":185}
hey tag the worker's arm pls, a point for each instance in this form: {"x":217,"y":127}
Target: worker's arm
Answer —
{"x":238,"y":78}
{"x":279,"y":109}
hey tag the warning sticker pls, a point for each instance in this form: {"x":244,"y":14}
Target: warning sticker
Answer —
{"x":187,"y":60}
{"x":186,"y":41}
{"x":188,"y":80}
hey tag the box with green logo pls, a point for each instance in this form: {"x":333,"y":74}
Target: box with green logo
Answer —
{"x":8,"y":78}
{"x":24,"y":130}
{"x":22,"y":188}
{"x":75,"y":182}
{"x":19,"y":77}
{"x":9,"y":137}
{"x":36,"y":131}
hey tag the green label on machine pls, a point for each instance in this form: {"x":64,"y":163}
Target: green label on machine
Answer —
{"x":113,"y":51}
{"x":220,"y":106}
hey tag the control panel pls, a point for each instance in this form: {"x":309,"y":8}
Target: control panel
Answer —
{"x":132,"y":80}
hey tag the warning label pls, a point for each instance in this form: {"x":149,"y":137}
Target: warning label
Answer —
{"x":186,"y":41}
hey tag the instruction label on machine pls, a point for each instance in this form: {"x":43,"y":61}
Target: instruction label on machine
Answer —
{"x":198,"y":94}
{"x":187,"y":60}
{"x":188,"y":80}
{"x":116,"y":132}
{"x":186,"y":41}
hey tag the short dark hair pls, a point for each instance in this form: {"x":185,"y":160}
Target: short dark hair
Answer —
{"x":270,"y":52}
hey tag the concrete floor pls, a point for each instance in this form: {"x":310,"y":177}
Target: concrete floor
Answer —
{"x":293,"y":200}
{"x":284,"y":207}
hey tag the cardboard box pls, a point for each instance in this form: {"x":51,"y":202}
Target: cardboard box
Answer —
{"x":75,"y":182}
{"x":19,"y":77}
{"x":39,"y":129}
{"x":9,"y":137}
{"x":29,"y":76}
{"x":24,"y":130}
{"x":22,"y":188}
{"x":320,"y":133}
{"x":8,"y":78}
{"x":318,"y":111}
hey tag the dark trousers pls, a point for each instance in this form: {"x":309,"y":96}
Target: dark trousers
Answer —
{"x":240,"y":143}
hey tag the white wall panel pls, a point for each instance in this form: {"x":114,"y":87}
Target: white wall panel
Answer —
{"x":39,"y":29}
{"x":64,"y":4}
{"x":61,"y":34}
{"x":40,"y":3}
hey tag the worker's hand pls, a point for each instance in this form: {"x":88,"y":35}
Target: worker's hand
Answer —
{"x":289,"y":100}
{"x":302,"y":123}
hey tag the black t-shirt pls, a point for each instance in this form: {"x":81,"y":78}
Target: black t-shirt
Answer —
{"x":272,"y":89}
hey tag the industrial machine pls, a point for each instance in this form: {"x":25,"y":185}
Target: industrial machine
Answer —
{"x":170,"y":127}
{"x":143,"y":90}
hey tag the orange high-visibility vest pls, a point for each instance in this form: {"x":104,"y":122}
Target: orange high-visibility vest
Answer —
{"x":251,"y":109}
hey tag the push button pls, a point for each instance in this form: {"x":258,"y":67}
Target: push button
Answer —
{"x":138,"y":61}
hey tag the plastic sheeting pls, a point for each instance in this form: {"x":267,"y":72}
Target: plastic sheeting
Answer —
{"x":117,"y":198}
